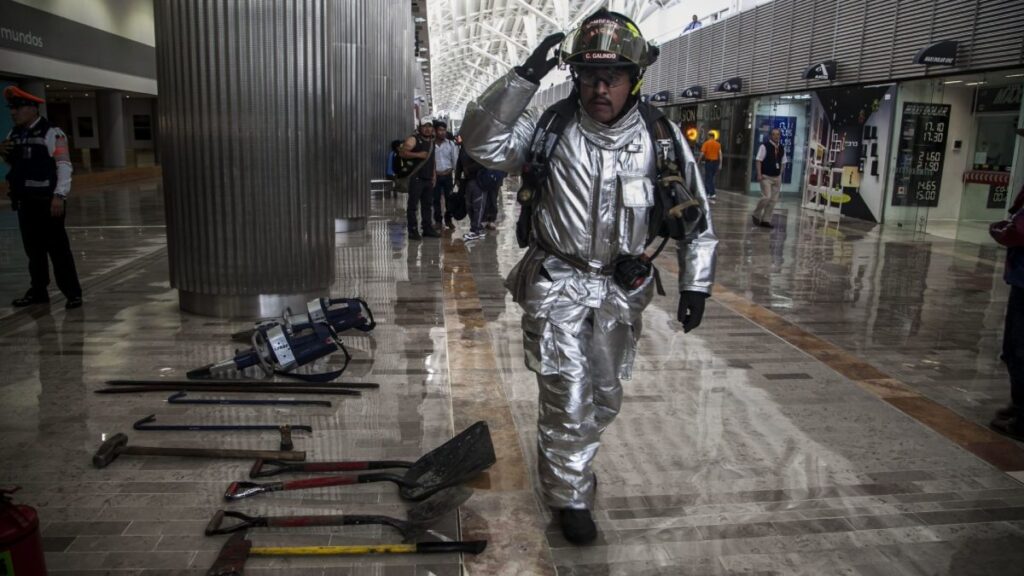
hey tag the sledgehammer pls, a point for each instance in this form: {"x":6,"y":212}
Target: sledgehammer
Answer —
{"x":117,"y":445}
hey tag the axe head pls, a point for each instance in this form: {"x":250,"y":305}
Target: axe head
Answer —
{"x":109,"y":450}
{"x":232,"y":557}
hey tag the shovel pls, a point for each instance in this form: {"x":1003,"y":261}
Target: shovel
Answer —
{"x":420,"y":517}
{"x":450,"y":464}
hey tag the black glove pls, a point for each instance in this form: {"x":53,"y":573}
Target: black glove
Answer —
{"x":691,"y":309}
{"x":538,"y":64}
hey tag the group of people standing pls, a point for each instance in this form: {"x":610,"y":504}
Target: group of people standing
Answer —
{"x":439,"y":178}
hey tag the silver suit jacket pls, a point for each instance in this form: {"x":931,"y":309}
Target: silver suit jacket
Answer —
{"x":599,"y":191}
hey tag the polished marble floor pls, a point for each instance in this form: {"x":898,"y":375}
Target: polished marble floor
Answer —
{"x":827,"y":418}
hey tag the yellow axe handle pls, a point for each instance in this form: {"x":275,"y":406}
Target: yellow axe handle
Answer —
{"x":331,"y":550}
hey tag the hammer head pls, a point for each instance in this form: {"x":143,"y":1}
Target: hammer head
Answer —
{"x":109,"y":450}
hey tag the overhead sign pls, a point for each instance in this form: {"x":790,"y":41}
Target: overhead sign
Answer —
{"x":921,"y":154}
{"x":999,"y":98}
{"x":822,"y":71}
{"x":30,"y":30}
{"x":662,"y":96}
{"x":938,"y":54}
{"x":731,"y":85}
{"x":693,"y":92}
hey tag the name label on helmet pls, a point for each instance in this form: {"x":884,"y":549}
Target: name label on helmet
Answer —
{"x":600,"y":56}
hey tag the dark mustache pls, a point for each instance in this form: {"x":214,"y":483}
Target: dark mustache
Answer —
{"x":600,"y":100}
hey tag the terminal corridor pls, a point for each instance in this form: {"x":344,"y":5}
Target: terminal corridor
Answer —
{"x":828,"y":418}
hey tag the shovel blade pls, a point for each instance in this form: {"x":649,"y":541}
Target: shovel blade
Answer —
{"x":451,"y":464}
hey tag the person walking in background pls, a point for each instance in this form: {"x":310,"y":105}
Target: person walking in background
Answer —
{"x":466,"y":171}
{"x":446,"y":154}
{"x":771,"y":156}
{"x":711,"y":155}
{"x":40,"y":181}
{"x":1010,"y":233}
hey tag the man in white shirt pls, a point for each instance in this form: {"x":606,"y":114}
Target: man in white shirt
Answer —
{"x":771,"y":157}
{"x":40,"y":180}
{"x":446,"y":154}
{"x":693,"y":25}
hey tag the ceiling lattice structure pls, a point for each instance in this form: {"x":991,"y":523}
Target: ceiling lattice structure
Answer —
{"x":473,"y":42}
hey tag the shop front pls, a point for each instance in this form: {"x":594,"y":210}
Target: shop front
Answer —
{"x":956,"y":159}
{"x":847,"y":150}
{"x":728,"y":121}
{"x":790,"y":114}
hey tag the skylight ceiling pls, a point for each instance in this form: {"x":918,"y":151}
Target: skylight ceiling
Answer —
{"x":473,"y":42}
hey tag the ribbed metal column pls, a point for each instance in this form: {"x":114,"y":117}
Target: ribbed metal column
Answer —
{"x":245,"y":120}
{"x":348,"y":31}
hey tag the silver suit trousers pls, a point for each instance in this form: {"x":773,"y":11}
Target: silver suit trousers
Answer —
{"x":575,"y":406}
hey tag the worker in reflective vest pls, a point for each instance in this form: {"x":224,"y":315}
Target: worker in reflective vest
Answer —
{"x":39,"y":181}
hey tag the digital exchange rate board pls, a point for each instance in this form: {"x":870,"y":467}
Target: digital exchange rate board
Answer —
{"x":922,"y":151}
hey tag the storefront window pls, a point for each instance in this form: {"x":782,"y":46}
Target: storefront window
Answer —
{"x":995,"y":142}
{"x":974,"y":166}
{"x":987,"y":183}
{"x":847,"y":149}
{"x":789,"y":113}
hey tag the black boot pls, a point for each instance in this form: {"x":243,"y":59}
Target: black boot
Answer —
{"x":73,"y":302}
{"x":414,"y":235}
{"x":448,"y":222}
{"x":1012,"y":427}
{"x":1006,"y":413}
{"x":29,"y":299}
{"x":577,"y":525}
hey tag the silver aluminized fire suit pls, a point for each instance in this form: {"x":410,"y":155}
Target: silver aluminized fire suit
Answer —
{"x":579,"y":327}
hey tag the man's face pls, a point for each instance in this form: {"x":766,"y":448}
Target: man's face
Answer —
{"x":22,"y":115}
{"x":776,"y":136}
{"x":427,"y":131}
{"x":604,"y":92}
{"x":440,"y":133}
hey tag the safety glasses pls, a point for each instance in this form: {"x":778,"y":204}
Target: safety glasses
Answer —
{"x":611,"y":77}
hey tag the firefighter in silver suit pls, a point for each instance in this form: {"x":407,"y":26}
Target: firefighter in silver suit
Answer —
{"x":580,"y":327}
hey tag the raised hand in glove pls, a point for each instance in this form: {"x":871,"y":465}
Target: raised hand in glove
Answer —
{"x":538,"y":64}
{"x":691,"y":309}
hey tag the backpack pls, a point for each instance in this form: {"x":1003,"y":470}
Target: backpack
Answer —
{"x":404,"y":167}
{"x":676,"y":214}
{"x":456,"y":204}
{"x":394,"y":160}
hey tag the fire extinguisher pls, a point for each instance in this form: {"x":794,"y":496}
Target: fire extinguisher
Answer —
{"x":21,"y":548}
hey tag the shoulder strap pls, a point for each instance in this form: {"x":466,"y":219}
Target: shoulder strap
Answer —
{"x":550,"y":127}
{"x":670,"y":157}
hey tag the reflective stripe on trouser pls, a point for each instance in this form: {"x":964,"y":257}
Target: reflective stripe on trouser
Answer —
{"x":575,"y":407}
{"x":770,"y":186}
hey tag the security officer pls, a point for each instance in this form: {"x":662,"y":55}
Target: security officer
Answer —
{"x":580,"y":326}
{"x":39,"y":181}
